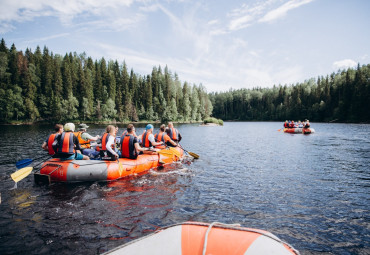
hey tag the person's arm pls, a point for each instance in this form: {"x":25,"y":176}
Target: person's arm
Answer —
{"x":139,"y":148}
{"x":77,"y":144}
{"x":45,"y":146}
{"x":168,"y":139}
{"x":180,"y":137}
{"x":111,"y":141}
{"x":88,"y":137}
{"x":152,"y":140}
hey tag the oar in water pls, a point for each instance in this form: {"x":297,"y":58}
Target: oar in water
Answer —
{"x":25,"y":162}
{"x":194,"y":155}
{"x":21,"y":174}
{"x":170,"y":152}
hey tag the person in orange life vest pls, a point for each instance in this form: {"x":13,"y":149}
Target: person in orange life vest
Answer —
{"x":162,"y":136}
{"x":130,"y":146}
{"x":84,"y":138}
{"x":174,"y":133}
{"x":67,"y":146}
{"x":108,"y":143}
{"x":48,"y":144}
{"x":148,"y":140}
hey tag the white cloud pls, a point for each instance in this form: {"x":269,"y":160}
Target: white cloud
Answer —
{"x":25,"y":10}
{"x":344,"y":64}
{"x":283,"y":10}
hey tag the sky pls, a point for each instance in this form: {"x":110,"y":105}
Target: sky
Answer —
{"x":219,"y":44}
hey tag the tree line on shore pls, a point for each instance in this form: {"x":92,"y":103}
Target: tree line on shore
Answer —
{"x":338,"y":97}
{"x":39,"y":85}
{"x":49,"y":87}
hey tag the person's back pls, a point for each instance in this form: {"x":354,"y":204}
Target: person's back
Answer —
{"x":66,"y":145}
{"x":173,"y":133}
{"x":48,"y":143}
{"x":107,"y":151}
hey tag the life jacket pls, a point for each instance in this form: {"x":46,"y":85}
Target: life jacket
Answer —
{"x":159,"y":137}
{"x":286,"y":125}
{"x":104,"y":153}
{"x":50,"y":142}
{"x":128,"y":147}
{"x":83,"y":143}
{"x":307,"y":125}
{"x":145,"y":140}
{"x":291,"y":125}
{"x":174,"y":134}
{"x":65,"y":145}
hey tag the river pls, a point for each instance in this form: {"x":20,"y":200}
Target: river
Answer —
{"x":312,"y":191}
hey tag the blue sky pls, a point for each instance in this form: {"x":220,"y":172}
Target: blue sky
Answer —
{"x":220,"y":44}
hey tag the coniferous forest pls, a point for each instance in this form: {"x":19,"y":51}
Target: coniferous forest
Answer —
{"x":340,"y":97}
{"x":41,"y":86}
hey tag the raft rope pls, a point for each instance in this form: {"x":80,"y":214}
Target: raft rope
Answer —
{"x":233,"y":226}
{"x":209,"y":230}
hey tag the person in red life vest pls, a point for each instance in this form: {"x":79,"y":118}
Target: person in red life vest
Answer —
{"x":66,"y":145}
{"x":291,"y":124}
{"x":107,"y":151}
{"x":130,"y":147}
{"x":286,"y":124}
{"x":174,"y":133}
{"x":48,"y":144}
{"x":162,"y":136}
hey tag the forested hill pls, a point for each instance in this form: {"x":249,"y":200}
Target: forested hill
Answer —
{"x":39,"y":85}
{"x":341,"y":97}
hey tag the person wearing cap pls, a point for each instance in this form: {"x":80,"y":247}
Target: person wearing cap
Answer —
{"x":66,"y":145}
{"x":84,"y":138}
{"x":148,"y":140}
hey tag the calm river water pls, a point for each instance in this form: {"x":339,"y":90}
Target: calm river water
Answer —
{"x":312,"y":191}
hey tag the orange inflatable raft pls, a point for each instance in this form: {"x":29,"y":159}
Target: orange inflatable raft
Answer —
{"x":195,"y":238}
{"x":299,"y":130}
{"x":56,"y":170}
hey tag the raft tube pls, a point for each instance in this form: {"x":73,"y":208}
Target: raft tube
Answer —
{"x":56,"y":170}
{"x":299,"y":130}
{"x":195,"y":238}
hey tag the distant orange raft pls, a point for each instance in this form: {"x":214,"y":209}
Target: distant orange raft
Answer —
{"x":305,"y":131}
{"x":56,"y":170}
{"x":195,"y":238}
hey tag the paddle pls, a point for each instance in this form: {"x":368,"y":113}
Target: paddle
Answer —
{"x":170,"y":152}
{"x":194,"y":155}
{"x":21,"y":174}
{"x":25,"y":162}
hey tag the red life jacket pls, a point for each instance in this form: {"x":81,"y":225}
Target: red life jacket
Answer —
{"x":174,"y":134}
{"x":145,"y":140}
{"x":159,"y":137}
{"x":66,"y":145}
{"x":49,"y":142}
{"x":128,"y":147}
{"x":104,"y":141}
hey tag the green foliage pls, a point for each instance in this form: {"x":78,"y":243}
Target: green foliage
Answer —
{"x":42,"y":86}
{"x":340,"y":97}
{"x":213,"y":120}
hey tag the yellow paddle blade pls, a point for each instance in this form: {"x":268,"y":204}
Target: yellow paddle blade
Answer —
{"x":21,"y":173}
{"x":166,"y":152}
{"x":194,"y":155}
{"x":175,"y":152}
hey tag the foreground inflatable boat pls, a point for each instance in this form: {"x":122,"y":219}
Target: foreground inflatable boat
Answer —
{"x":55,"y":170}
{"x":195,"y":238}
{"x":299,"y":130}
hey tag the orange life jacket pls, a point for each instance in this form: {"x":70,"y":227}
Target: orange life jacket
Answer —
{"x":145,"y":140}
{"x":49,"y":142}
{"x":66,"y":145}
{"x":83,"y":143}
{"x":174,"y":134}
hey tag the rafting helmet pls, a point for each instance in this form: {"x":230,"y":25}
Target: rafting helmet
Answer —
{"x":149,"y":126}
{"x":69,"y":127}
